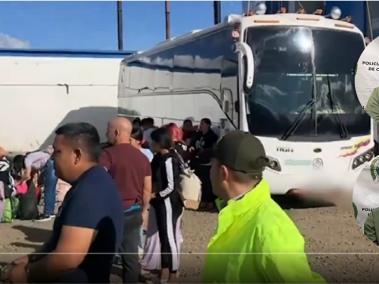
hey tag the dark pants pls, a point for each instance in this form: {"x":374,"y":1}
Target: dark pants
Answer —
{"x":129,"y":247}
{"x":168,"y":211}
{"x":203,"y":172}
{"x":50,"y":184}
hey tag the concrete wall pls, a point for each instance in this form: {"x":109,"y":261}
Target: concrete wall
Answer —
{"x":38,"y":94}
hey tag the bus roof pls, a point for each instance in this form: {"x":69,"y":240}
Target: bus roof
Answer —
{"x":21,"y":52}
{"x":254,"y":21}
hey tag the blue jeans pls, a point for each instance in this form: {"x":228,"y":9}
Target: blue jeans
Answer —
{"x":50,"y":184}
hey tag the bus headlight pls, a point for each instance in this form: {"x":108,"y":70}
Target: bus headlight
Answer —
{"x":363,"y":158}
{"x":274,"y":164}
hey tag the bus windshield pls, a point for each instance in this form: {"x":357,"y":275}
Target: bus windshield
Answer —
{"x":295,"y":66}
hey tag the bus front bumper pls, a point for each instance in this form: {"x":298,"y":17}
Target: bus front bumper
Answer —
{"x":311,"y":182}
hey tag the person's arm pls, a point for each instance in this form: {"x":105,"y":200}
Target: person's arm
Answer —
{"x":369,"y":228}
{"x":106,"y":159}
{"x":168,"y":176}
{"x":3,"y":153}
{"x":194,"y":139}
{"x":372,"y":107}
{"x":284,"y":259}
{"x":147,"y":188}
{"x":80,"y":224}
{"x":27,"y":174}
{"x":41,"y":252}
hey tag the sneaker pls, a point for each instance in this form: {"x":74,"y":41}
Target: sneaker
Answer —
{"x":44,"y":218}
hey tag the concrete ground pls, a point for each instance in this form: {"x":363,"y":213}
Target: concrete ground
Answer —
{"x":337,"y":248}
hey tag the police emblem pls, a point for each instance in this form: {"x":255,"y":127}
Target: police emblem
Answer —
{"x":374,"y":170}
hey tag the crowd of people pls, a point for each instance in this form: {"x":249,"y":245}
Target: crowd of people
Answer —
{"x":133,"y":181}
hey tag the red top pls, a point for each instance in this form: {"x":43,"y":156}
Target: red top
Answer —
{"x":128,"y":167}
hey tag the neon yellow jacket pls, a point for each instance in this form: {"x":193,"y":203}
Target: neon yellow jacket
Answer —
{"x":253,"y":235}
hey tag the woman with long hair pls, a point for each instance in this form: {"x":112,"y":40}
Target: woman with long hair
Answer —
{"x":162,"y":248}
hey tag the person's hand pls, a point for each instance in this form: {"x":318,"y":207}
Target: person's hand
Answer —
{"x":191,"y":149}
{"x":16,"y":274}
{"x":145,"y":218}
{"x":23,"y":259}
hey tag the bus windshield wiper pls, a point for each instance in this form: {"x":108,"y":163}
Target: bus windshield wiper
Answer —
{"x":299,"y":119}
{"x":341,"y":124}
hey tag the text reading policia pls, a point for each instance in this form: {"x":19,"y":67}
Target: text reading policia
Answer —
{"x":371,"y":65}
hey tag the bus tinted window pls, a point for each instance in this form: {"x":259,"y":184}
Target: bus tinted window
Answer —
{"x":205,"y":63}
{"x":286,"y":79}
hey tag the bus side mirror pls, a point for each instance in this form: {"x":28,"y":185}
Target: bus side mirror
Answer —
{"x":246,"y":52}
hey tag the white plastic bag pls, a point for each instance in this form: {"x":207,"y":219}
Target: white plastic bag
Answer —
{"x":365,"y":195}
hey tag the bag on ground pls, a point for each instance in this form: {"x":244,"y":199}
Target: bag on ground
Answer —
{"x":10,"y":210}
{"x":28,"y":209}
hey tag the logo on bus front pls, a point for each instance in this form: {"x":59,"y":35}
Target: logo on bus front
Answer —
{"x":317,"y":164}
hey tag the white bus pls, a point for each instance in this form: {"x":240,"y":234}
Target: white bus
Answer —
{"x":286,"y":78}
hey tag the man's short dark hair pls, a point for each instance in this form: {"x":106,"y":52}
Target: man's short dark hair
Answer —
{"x":137,"y":120}
{"x":83,"y":134}
{"x":207,"y":121}
{"x":148,"y":121}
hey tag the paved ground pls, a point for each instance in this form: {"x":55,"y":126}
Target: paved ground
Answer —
{"x":329,"y":230}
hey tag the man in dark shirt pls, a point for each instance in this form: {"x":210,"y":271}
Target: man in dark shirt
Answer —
{"x":130,"y":169}
{"x":205,"y":139}
{"x":88,"y":228}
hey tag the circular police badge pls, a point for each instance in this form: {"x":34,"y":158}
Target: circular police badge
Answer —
{"x":374,"y":170}
{"x":317,"y":163}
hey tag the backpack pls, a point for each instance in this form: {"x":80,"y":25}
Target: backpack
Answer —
{"x":6,"y":178}
{"x":10,"y":210}
{"x":190,"y":186}
{"x":28,"y":209}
